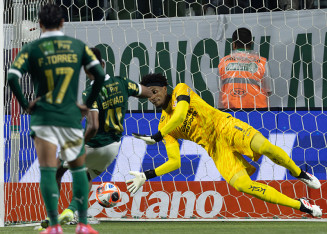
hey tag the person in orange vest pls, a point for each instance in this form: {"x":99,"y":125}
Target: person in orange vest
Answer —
{"x":243,"y":75}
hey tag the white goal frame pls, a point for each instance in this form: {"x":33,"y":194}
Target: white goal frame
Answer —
{"x":2,"y":149}
{"x":87,"y":30}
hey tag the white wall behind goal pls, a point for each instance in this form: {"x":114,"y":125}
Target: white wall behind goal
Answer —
{"x":283,"y":28}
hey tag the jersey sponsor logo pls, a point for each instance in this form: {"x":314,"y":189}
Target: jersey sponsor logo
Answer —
{"x":191,"y":114}
{"x":238,"y":128}
{"x":250,"y":67}
{"x":95,"y":105}
{"x":47,"y":47}
{"x":104,"y":93}
{"x":162,"y":118}
{"x":238,"y":92}
{"x":132,"y":86}
{"x":113,"y":89}
{"x":90,"y":53}
{"x":21,"y":60}
{"x":113,"y":84}
{"x":63,"y":45}
{"x":230,"y":59}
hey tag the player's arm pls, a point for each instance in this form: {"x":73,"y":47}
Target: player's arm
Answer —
{"x":92,"y":124}
{"x":17,"y":70}
{"x":92,"y":118}
{"x":183,"y":103}
{"x":173,"y":163}
{"x":93,"y":65}
{"x":145,"y":92}
{"x":137,"y":90}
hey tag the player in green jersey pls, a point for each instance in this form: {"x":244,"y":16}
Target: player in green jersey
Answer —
{"x":54,"y":62}
{"x":104,"y":129}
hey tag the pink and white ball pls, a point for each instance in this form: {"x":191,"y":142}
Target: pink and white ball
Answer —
{"x":108,"y":195}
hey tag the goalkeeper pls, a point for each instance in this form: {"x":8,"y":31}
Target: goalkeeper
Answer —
{"x":186,"y":116}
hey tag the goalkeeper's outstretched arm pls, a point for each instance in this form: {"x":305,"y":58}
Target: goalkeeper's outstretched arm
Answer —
{"x":177,"y":118}
{"x":173,"y":163}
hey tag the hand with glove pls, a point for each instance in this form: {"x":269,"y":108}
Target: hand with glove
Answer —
{"x":149,"y":140}
{"x":139,"y":180}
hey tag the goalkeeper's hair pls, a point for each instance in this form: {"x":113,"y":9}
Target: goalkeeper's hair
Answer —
{"x":242,"y":38}
{"x":97,"y":54}
{"x":50,"y":16}
{"x":154,"y":78}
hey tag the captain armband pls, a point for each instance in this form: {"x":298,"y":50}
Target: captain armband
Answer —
{"x":183,"y":98}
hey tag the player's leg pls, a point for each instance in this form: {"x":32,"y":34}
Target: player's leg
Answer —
{"x":243,"y":183}
{"x":80,"y":190}
{"x":98,"y":159}
{"x":61,"y":170}
{"x":73,"y":151}
{"x":46,"y":148}
{"x":68,"y":214}
{"x":80,"y":193}
{"x":261,"y":145}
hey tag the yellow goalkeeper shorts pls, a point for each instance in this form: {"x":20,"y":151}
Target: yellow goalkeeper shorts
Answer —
{"x":234,"y":142}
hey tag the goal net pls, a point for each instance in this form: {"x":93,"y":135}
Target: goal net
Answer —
{"x":184,"y":40}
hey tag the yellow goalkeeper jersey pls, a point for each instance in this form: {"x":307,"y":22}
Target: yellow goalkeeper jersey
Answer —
{"x":202,"y":124}
{"x":224,"y":137}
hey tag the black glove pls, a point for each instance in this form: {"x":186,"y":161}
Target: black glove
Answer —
{"x":149,"y":140}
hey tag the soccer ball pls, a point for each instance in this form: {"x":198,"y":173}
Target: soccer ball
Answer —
{"x":108,"y":195}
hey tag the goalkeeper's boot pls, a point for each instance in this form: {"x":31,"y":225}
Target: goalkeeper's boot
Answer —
{"x":45,"y":222}
{"x":85,"y":229}
{"x":306,"y":207}
{"x":56,"y":229}
{"x":310,"y":180}
{"x":66,"y":216}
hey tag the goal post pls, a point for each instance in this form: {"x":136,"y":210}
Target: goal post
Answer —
{"x":185,"y":49}
{"x":2,"y":148}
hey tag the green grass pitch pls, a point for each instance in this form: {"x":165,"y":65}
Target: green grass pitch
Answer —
{"x":196,"y":227}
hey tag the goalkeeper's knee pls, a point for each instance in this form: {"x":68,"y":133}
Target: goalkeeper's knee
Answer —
{"x":274,"y":153}
{"x":241,"y":181}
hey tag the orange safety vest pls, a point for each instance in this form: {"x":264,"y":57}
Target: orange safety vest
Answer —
{"x":241,"y":75}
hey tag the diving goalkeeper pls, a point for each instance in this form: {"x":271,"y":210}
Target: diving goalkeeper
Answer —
{"x":186,"y":116}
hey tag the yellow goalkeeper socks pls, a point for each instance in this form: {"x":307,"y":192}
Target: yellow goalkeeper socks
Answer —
{"x":50,"y":192}
{"x":262,"y":146}
{"x":243,"y":183}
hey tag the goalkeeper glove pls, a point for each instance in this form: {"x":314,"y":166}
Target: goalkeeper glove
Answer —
{"x":149,"y":140}
{"x":135,"y":183}
{"x":139,"y":180}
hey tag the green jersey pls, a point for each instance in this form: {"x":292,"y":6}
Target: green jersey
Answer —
{"x":54,"y":62}
{"x":112,"y":105}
